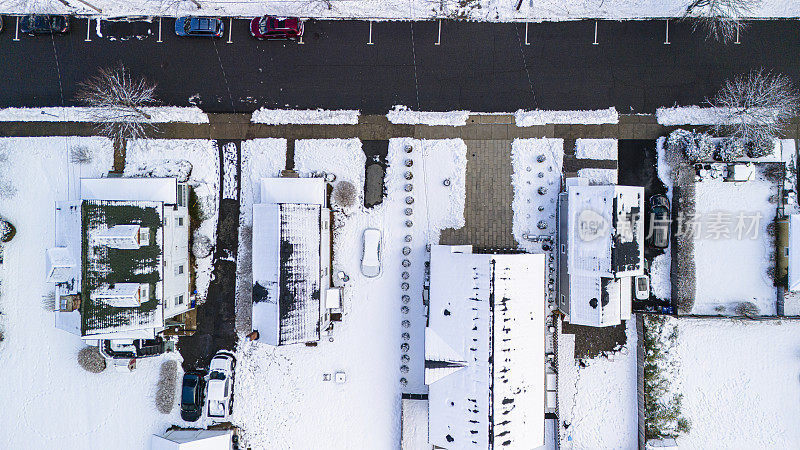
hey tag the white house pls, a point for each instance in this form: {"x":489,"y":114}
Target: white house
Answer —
{"x":193,"y":440}
{"x":291,"y":260}
{"x":600,"y":251}
{"x":121,"y":258}
{"x":484,"y":350}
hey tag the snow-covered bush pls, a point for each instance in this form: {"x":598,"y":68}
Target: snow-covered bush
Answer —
{"x":80,"y":154}
{"x":49,"y":301}
{"x":760,"y":147}
{"x":747,"y":309}
{"x":165,"y":168}
{"x":679,"y":139}
{"x":165,"y":393}
{"x":731,"y":149}
{"x":663,"y":417}
{"x":344,"y":194}
{"x":202,"y":246}
{"x":696,"y":146}
{"x":91,"y":360}
{"x":7,"y":231}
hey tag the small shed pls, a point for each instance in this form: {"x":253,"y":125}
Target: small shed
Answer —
{"x":741,"y":172}
{"x":190,"y":439}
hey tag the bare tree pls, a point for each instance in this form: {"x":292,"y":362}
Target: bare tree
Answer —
{"x":755,"y":107}
{"x":118,"y":101}
{"x":719,"y":18}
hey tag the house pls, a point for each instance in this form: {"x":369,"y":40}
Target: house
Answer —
{"x":191,"y":439}
{"x":120,"y":263}
{"x":291,"y":261}
{"x":600,"y":251}
{"x":484,"y":350}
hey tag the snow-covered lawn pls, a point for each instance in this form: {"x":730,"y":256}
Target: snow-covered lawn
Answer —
{"x":740,"y":383}
{"x":731,"y":262}
{"x":599,"y":176}
{"x":596,"y":148}
{"x":539,"y":117}
{"x":48,"y":400}
{"x":598,"y":401}
{"x":156,"y":156}
{"x":159,"y":114}
{"x":282,"y":400}
{"x":536,"y":178}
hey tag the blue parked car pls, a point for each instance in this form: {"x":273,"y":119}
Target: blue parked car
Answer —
{"x":44,"y":24}
{"x":199,"y":26}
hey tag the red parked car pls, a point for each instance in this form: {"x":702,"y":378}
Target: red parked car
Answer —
{"x":270,"y":27}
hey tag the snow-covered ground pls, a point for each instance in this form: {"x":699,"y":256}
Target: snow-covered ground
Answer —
{"x":48,"y":400}
{"x":305,"y":116}
{"x":536,"y":178}
{"x":538,"y":117}
{"x":300,"y":408}
{"x":491,"y":10}
{"x":660,"y":284}
{"x":740,"y":383}
{"x":402,"y":114}
{"x":731,"y":258}
{"x":596,"y":149}
{"x":599,"y":176}
{"x":598,"y":401}
{"x":159,"y":114}
{"x":691,"y":115}
{"x":159,"y":155}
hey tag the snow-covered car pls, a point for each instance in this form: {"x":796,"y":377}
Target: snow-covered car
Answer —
{"x":642,"y":287}
{"x":371,"y":254}
{"x":219,"y":401}
{"x":659,"y":221}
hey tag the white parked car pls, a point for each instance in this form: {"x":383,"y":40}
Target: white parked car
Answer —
{"x":371,"y":255}
{"x":219,"y":386}
{"x":642,"y":287}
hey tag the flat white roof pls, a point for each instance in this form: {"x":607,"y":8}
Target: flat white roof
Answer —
{"x":293,"y":190}
{"x":130,"y":189}
{"x":192,"y":440}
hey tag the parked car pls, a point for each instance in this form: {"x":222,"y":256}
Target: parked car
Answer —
{"x":44,"y":24}
{"x":192,"y":394}
{"x":660,"y":224}
{"x":199,"y":26}
{"x":270,"y":27}
{"x":1,"y":23}
{"x":219,"y":401}
{"x":371,"y":253}
{"x":641,"y":287}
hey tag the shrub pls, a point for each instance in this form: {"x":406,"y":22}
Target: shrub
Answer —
{"x":7,"y":231}
{"x":747,"y":309}
{"x":344,"y":194}
{"x":679,"y":139}
{"x":91,"y":360}
{"x":80,"y":155}
{"x":202,"y":246}
{"x":696,"y":146}
{"x":167,"y":381}
{"x":731,"y":149}
{"x":760,"y":147}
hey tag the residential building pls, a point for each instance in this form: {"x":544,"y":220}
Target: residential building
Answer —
{"x":192,"y":439}
{"x":600,"y":250}
{"x":484,"y":350}
{"x":291,"y":260}
{"x":121,"y":260}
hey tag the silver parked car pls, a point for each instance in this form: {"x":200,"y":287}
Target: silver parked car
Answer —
{"x":220,"y":386}
{"x":371,"y":255}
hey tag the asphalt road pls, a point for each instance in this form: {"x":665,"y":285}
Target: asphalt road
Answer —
{"x":482,"y":67}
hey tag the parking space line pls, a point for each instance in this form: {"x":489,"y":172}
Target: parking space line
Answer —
{"x":88,"y":29}
{"x":595,"y":34}
{"x":159,"y":30}
{"x":301,"y":38}
{"x":526,"y":34}
{"x":737,"y":34}
{"x":439,"y":39}
{"x":666,"y":41}
{"x":230,"y":30}
{"x":16,"y":32}
{"x":370,"y":34}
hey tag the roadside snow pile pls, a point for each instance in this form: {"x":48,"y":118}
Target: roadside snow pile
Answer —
{"x":159,"y":114}
{"x":661,"y":267}
{"x":538,"y":117}
{"x":599,"y":176}
{"x":46,"y":390}
{"x":692,"y":115}
{"x":732,"y":249}
{"x":740,"y":383}
{"x":537,"y":165}
{"x":197,"y":159}
{"x":598,"y":401}
{"x":305,"y":116}
{"x":260,"y":158}
{"x":282,"y":397}
{"x":596,"y":149}
{"x":403,"y":115}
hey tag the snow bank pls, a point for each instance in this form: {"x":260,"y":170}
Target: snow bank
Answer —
{"x":402,"y":114}
{"x":159,"y":114}
{"x":598,"y":401}
{"x":598,"y":116}
{"x":168,"y":157}
{"x":599,"y":176}
{"x":596,"y":149}
{"x":691,"y":115}
{"x":536,"y":185}
{"x":308,"y":116}
{"x":48,"y":400}
{"x":740,"y":383}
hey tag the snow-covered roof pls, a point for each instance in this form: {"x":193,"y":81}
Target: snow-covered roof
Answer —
{"x":458,"y":347}
{"x":147,"y":189}
{"x":293,"y":190}
{"x":794,"y":252}
{"x":192,"y":440}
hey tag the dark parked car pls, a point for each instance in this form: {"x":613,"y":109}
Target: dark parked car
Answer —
{"x":199,"y":26}
{"x":192,"y":395}
{"x":269,"y":27}
{"x":660,"y":223}
{"x":44,"y":24}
